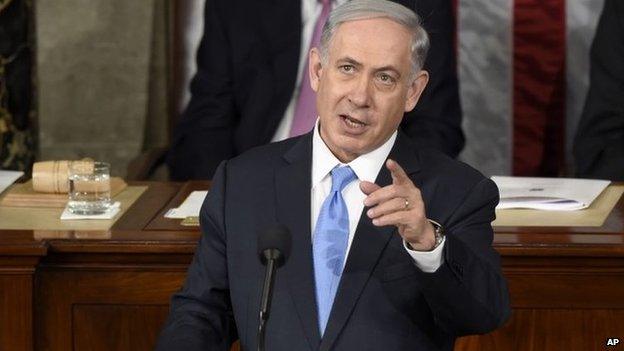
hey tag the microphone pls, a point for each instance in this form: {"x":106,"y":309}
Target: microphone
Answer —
{"x":273,"y":250}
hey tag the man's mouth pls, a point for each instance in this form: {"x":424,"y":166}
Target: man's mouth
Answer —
{"x":352,"y":122}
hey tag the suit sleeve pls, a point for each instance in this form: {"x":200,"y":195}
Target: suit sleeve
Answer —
{"x":204,"y":135}
{"x":468,"y":294}
{"x":599,"y":142}
{"x":435,"y":122}
{"x":201,"y":316}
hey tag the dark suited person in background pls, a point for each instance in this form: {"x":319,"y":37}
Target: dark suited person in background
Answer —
{"x":391,"y":242}
{"x":599,"y":142}
{"x":247,"y":89}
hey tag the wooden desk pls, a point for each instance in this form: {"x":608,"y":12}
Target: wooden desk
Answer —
{"x":110,"y":290}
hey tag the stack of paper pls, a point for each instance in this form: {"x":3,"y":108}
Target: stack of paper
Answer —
{"x":190,"y":207}
{"x":554,"y":194}
{"x":7,"y":178}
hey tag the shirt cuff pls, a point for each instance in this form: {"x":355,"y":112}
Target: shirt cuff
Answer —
{"x":427,"y":261}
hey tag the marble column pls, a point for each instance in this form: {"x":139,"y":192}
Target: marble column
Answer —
{"x":93,"y":65}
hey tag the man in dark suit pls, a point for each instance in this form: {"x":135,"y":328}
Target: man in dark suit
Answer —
{"x":248,"y":63}
{"x":399,"y":260}
{"x":599,"y":142}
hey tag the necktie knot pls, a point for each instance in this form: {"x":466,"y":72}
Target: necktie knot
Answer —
{"x":341,"y":177}
{"x":325,"y":2}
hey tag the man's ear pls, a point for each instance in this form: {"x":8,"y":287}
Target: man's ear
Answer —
{"x":315,"y":68}
{"x":415,"y":89}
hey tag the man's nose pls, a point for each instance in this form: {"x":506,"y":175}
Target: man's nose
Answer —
{"x":361,"y":92}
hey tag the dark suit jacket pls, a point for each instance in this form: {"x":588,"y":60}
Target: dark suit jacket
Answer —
{"x":247,"y":69}
{"x":384,"y":302}
{"x":599,"y":142}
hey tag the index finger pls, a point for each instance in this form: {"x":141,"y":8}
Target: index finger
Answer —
{"x":396,"y":171}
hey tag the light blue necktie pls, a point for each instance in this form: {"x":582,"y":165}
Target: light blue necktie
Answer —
{"x":331,"y":236}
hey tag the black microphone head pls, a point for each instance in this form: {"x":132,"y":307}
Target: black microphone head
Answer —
{"x":274,"y":241}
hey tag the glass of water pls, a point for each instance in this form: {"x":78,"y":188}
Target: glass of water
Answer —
{"x":89,"y":187}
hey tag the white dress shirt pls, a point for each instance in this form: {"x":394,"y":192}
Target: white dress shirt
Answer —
{"x":366,"y":167}
{"x":310,"y":11}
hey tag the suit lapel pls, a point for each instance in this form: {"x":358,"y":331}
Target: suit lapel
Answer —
{"x":368,"y":244}
{"x":292,"y":184}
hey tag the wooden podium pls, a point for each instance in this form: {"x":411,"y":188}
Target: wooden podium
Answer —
{"x":110,"y":289}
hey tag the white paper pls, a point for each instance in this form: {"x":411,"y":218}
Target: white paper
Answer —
{"x":190,"y":207}
{"x":7,"y":178}
{"x":108,"y":214}
{"x":550,"y":194}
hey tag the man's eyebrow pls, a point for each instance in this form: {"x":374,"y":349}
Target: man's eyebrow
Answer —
{"x":389,"y":68}
{"x":350,"y":60}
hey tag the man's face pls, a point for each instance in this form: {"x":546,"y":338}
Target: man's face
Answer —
{"x":365,"y":86}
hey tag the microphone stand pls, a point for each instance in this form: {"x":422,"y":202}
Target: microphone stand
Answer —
{"x":271,"y":255}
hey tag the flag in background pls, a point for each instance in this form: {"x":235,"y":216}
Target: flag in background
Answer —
{"x":523,"y":69}
{"x":523,"y":72}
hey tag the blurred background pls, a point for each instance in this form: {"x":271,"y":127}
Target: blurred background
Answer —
{"x":108,"y":79}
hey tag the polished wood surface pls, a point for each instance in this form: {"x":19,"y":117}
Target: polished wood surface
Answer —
{"x":119,"y":308}
{"x":16,"y":311}
{"x":91,"y":290}
{"x":110,"y":290}
{"x":551,"y":329}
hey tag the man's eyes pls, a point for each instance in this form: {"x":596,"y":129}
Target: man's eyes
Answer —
{"x":382,"y":77}
{"x":386,"y":78}
{"x":347,"y":68}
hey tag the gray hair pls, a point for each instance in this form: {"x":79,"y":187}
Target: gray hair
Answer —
{"x":368,"y":9}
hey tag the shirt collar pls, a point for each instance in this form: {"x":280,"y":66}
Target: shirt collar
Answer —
{"x":366,"y":167}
